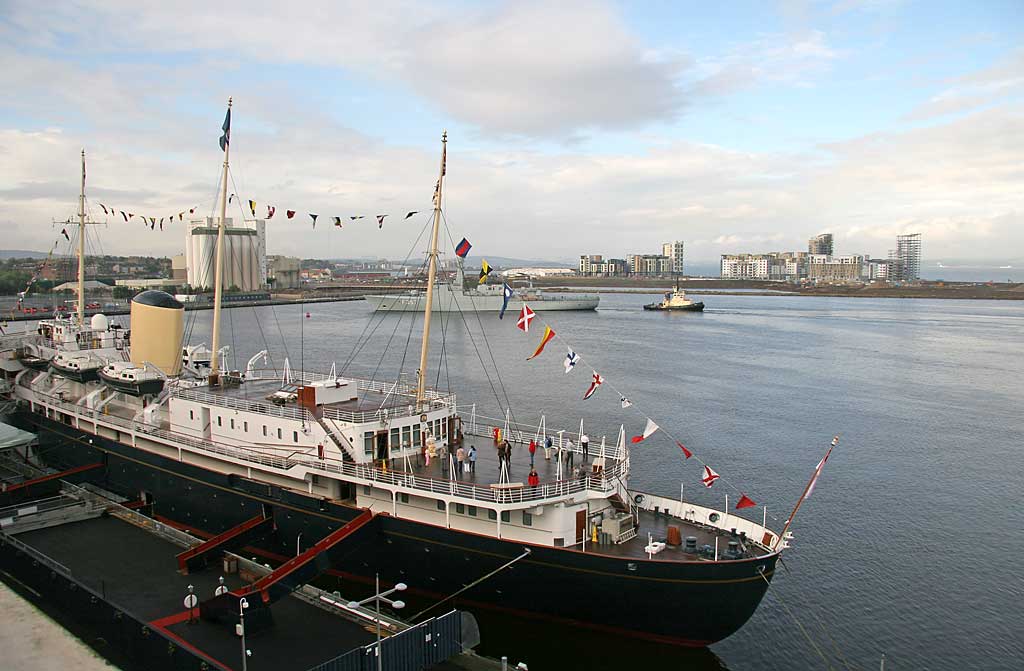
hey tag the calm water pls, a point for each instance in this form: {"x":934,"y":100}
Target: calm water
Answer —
{"x":913,"y":543}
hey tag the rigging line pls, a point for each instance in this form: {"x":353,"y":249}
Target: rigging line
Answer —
{"x":490,"y":353}
{"x":387,"y":345}
{"x":360,"y":342}
{"x":799,"y":624}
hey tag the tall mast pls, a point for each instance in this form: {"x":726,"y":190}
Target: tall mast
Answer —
{"x":218,"y":273}
{"x":81,"y":248}
{"x":421,"y":381}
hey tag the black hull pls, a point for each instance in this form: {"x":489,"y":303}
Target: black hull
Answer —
{"x":35,"y":362}
{"x":693,"y":604}
{"x":696,"y":307}
{"x":148,"y":387}
{"x":87,"y":375}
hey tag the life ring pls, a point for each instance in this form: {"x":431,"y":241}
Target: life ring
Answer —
{"x":638,"y":499}
{"x":713,"y":517}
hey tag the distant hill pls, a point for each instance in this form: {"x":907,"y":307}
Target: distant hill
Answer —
{"x":21,"y":254}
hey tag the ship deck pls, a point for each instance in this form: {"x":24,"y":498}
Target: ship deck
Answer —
{"x":260,"y":391}
{"x":137,"y":570}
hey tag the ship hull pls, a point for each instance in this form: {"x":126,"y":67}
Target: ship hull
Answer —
{"x":692,"y":604}
{"x":693,"y":307}
{"x":446,"y":301}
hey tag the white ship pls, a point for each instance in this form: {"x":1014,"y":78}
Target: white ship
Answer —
{"x":485,"y":298}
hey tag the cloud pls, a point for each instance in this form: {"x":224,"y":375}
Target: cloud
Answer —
{"x":1002,"y":80}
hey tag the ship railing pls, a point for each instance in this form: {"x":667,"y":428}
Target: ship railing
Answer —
{"x":169,"y":533}
{"x":522,"y":433}
{"x":720,"y":519}
{"x":36,"y":554}
{"x":602,"y":482}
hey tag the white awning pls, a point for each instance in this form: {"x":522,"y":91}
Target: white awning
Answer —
{"x":12,"y":436}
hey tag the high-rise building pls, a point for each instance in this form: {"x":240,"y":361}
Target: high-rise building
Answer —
{"x":674,"y":251}
{"x":820,"y":245}
{"x":908,"y":253}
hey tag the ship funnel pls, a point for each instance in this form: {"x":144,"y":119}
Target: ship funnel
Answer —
{"x":158,"y":321}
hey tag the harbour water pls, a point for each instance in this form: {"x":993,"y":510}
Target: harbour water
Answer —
{"x":911,"y":545}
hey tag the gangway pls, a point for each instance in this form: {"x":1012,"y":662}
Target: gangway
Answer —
{"x":283,"y":580}
{"x":29,"y":488}
{"x":198,"y":557}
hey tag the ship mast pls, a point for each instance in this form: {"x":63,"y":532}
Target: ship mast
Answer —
{"x":218,"y":273}
{"x":421,"y":381}
{"x":81,"y":248}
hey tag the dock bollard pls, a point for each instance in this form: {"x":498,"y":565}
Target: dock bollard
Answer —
{"x":504,"y":663}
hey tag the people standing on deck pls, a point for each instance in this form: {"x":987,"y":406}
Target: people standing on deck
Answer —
{"x":508,"y":456}
{"x":472,"y":459}
{"x":585,"y":444}
{"x":533,"y":479}
{"x":547,"y":448}
{"x":569,"y":449}
{"x":533,"y":451}
{"x":460,"y":458}
{"x":431,"y":447}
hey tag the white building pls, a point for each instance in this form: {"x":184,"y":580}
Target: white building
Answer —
{"x":746,"y":266}
{"x":674,"y":251}
{"x":538,"y":272}
{"x":245,"y":254}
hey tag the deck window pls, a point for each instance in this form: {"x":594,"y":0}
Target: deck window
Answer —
{"x":406,"y":435}
{"x":295,"y":436}
{"x":220,"y":422}
{"x":472,"y":511}
{"x":394,"y":439}
{"x":245,"y":427}
{"x":368,"y":442}
{"x":491,"y":515}
{"x":460,"y":509}
{"x":232,"y":424}
{"x":279,"y":434}
{"x":264,"y":430}
{"x":440,"y":505}
{"x":527,"y":519}
{"x":416,"y":435}
{"x":506,"y":516}
{"x":403,"y":497}
{"x":191,"y":414}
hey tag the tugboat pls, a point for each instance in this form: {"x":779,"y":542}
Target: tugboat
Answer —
{"x":344,"y":450}
{"x":676,"y":301}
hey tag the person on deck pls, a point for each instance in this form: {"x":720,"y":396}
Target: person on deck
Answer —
{"x":472,"y":459}
{"x":547,"y":448}
{"x":460,"y":458}
{"x":570,"y":450}
{"x":533,"y":479}
{"x":585,"y":444}
{"x":533,"y":451}
{"x":508,"y":456}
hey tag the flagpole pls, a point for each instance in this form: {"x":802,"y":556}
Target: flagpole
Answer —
{"x":81,"y":249}
{"x":421,"y":382}
{"x":817,"y":472}
{"x":218,"y":273}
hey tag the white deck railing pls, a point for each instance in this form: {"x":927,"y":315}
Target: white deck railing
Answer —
{"x":363,"y":474}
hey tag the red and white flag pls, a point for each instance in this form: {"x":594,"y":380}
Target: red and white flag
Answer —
{"x":685,"y":451}
{"x":709,"y":476}
{"x":526,"y":315}
{"x":597,"y":382}
{"x":817,"y":469}
{"x":648,"y":430}
{"x":270,"y":211}
{"x":745,"y":502}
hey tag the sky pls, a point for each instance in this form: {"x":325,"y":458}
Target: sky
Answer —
{"x":573,"y":127}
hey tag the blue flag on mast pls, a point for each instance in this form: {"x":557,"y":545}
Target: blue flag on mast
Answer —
{"x":225,"y":139}
{"x":506,"y":294}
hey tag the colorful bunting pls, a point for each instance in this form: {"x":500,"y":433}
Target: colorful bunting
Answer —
{"x":506,"y":294}
{"x":745,"y":502}
{"x":124,"y":215}
{"x":461,"y":249}
{"x":291,"y":213}
{"x":313,"y":217}
{"x":64,"y":232}
{"x":337,"y":222}
{"x":104,"y":208}
{"x":649,"y":429}
{"x":571,"y":359}
{"x":270,"y":211}
{"x":485,"y":270}
{"x":597,"y":382}
{"x":709,"y":476}
{"x":548,"y":335}
{"x":626,"y":402}
{"x":380,"y":221}
{"x":357,"y":216}
{"x":415,"y":212}
{"x":526,"y":315}
{"x":685,"y":451}
{"x":252,"y":207}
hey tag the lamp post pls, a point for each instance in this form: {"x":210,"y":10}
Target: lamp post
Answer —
{"x":377,"y":598}
{"x":242,"y":605}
